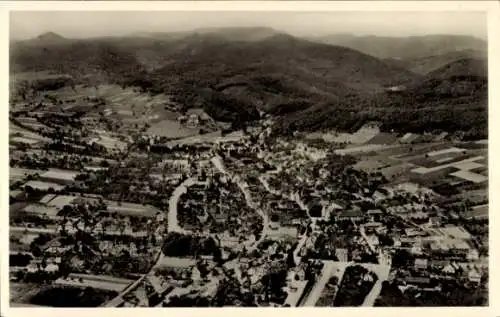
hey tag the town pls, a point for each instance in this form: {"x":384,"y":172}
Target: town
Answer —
{"x":112,"y":205}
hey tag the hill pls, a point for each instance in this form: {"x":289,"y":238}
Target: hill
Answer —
{"x":452,"y":98}
{"x":428,"y":64}
{"x":406,"y":48}
{"x":236,"y":74}
{"x":277,"y":74}
{"x":50,"y":37}
{"x":99,"y":60}
{"x":243,"y":34}
{"x":461,"y":67}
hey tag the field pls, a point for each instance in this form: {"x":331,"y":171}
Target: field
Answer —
{"x":425,"y":170}
{"x":369,"y":165}
{"x":18,"y":174}
{"x":361,"y":149}
{"x":33,"y":76}
{"x":419,"y":150}
{"x":396,"y":171}
{"x":20,"y":241}
{"x":54,"y":173}
{"x":110,"y":142}
{"x":472,"y":177}
{"x":361,"y":136}
{"x":130,"y":209}
{"x":207,"y":138}
{"x":383,"y":138}
{"x":15,"y":130}
{"x":41,"y":210}
{"x":58,"y":201}
{"x":99,"y":282}
{"x":128,"y":105}
{"x":171,"y":129}
{"x":478,"y":212}
{"x":43,"y":185}
{"x":70,"y":297}
{"x":22,"y":292}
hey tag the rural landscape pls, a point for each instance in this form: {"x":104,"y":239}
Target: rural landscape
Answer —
{"x":247,"y":166}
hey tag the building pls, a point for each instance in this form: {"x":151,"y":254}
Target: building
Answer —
{"x":284,"y":232}
{"x":448,"y":269}
{"x":474,"y":277}
{"x":351,"y":215}
{"x":374,"y":214}
{"x":450,"y":249}
{"x":371,"y":227}
{"x":419,"y":281}
{"x":176,"y":262}
{"x":421,"y":264}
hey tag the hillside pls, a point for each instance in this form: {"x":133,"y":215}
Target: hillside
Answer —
{"x":461,"y":67}
{"x":242,"y":34}
{"x":406,"y":48}
{"x":452,"y":98}
{"x":236,"y":74}
{"x":270,"y":74}
{"x":428,"y":64}
{"x":96,"y":59}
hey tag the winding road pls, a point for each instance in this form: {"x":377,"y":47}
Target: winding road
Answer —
{"x":173,"y":203}
{"x":217,"y":161}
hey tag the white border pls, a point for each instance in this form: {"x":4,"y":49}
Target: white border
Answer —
{"x":494,"y":67}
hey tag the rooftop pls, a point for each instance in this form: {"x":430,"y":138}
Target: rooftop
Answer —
{"x":59,"y":174}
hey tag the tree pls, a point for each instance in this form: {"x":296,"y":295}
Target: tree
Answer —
{"x":274,"y":281}
{"x":402,"y":258}
{"x":290,"y":261}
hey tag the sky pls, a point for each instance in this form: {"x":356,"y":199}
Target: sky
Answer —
{"x":81,"y":24}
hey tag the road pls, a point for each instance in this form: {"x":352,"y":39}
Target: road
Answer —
{"x":55,"y":231}
{"x":382,"y":272}
{"x":363,"y":234}
{"x":250,"y":203}
{"x":302,"y":241}
{"x":173,"y":226}
{"x":118,"y":300}
{"x":217,"y":161}
{"x":318,"y":287}
{"x":173,"y":203}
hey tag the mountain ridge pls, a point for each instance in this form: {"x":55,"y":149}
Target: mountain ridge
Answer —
{"x":305,"y":84}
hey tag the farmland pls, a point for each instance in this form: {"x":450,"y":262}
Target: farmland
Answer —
{"x":130,"y":209}
{"x":171,"y":129}
{"x":17,"y":174}
{"x":43,"y":185}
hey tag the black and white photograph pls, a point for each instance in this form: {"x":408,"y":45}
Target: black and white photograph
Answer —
{"x":248,"y":159}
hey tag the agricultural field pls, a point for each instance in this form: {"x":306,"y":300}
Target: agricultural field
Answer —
{"x":57,"y":201}
{"x":383,"y":138}
{"x":422,"y":149}
{"x":100,"y":282}
{"x":361,"y":136}
{"x":130,"y":209}
{"x":20,"y":241}
{"x":21,"y":293}
{"x":43,"y":185}
{"x":18,"y":174}
{"x":17,"y":131}
{"x":370,"y":165}
{"x":361,"y":149}
{"x":171,"y":129}
{"x":41,"y":210}
{"x":110,"y":142}
{"x":397,"y":171}
{"x":66,"y":296}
